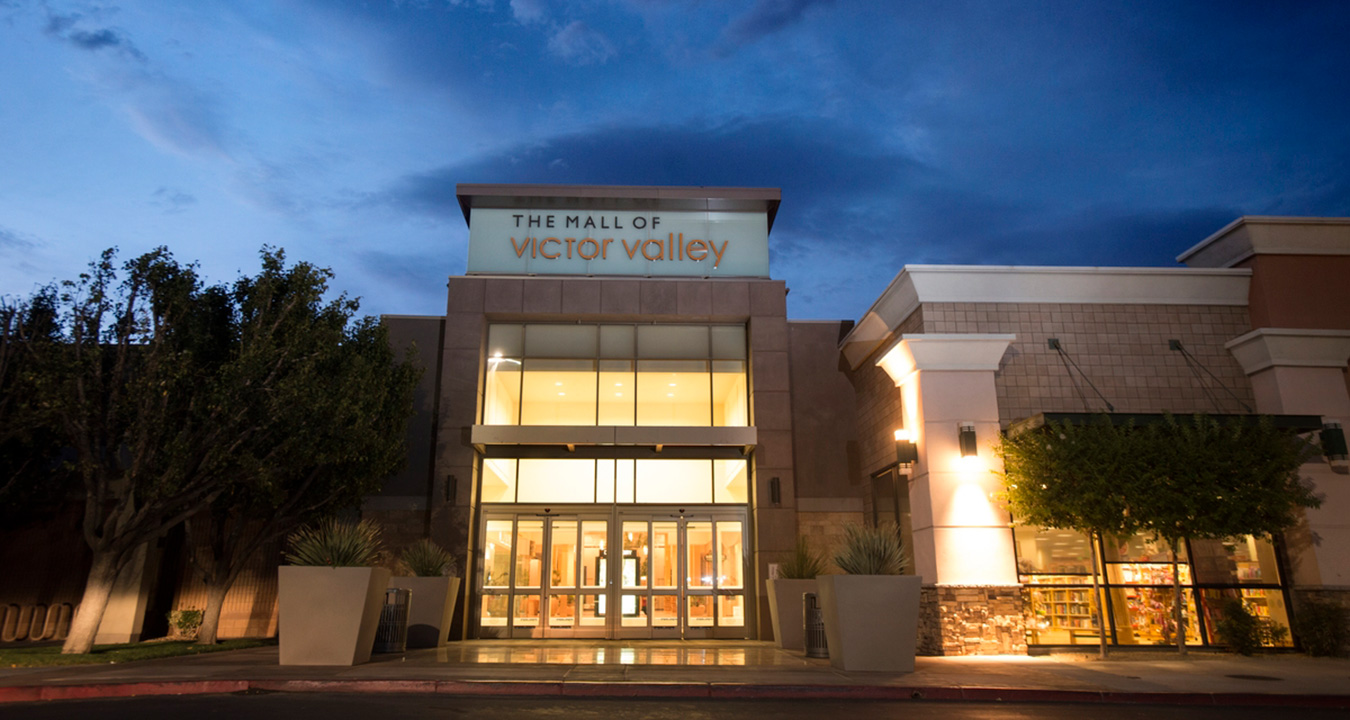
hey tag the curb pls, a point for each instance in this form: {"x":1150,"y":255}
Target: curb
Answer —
{"x":725,"y":691}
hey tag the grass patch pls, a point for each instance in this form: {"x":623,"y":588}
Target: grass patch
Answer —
{"x":50,"y":655}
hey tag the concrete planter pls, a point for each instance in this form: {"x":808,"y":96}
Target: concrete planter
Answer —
{"x":432,"y":609}
{"x":785,"y":610}
{"x":871,"y":621}
{"x":328,"y":616}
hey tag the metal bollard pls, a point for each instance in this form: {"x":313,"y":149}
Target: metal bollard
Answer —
{"x":816,"y":646}
{"x":392,"y":635}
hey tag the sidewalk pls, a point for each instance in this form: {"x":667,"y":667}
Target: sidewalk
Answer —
{"x":713,"y":669}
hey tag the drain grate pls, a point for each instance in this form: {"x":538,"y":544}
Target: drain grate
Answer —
{"x":1265,"y":678}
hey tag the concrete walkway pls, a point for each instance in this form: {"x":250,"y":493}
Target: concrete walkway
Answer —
{"x":714,"y":669}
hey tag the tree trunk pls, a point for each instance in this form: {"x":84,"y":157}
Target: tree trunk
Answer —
{"x":1098,"y":600}
{"x":97,"y":591}
{"x":1178,"y":603}
{"x":215,"y":602}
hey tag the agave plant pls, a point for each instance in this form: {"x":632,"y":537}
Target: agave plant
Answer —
{"x":425,"y":558}
{"x":871,"y":551}
{"x":804,"y":564}
{"x":335,"y":543}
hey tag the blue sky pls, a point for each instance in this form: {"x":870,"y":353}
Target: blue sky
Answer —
{"x":941,"y":131}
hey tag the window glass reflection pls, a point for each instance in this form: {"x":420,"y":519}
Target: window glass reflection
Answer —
{"x":557,"y":481}
{"x":558,"y":392}
{"x":1051,"y":551}
{"x":616,"y":375}
{"x":499,"y":480}
{"x":730,"y":396}
{"x":673,"y":393}
{"x":667,"y":481}
{"x":1244,"y":560}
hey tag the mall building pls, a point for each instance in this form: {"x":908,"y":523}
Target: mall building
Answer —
{"x":621,"y":434}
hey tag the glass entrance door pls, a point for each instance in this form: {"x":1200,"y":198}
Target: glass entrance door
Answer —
{"x":633,"y":574}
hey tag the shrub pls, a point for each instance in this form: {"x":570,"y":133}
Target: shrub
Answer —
{"x":425,"y":558}
{"x":1322,"y":627}
{"x":1244,"y":632}
{"x":803,"y":565}
{"x":185,"y":622}
{"x":335,"y":543}
{"x":871,"y":551}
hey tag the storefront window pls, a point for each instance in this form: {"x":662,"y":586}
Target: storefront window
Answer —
{"x":1055,"y":566}
{"x":1245,"y":560}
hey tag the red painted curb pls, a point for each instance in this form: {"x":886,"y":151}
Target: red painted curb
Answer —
{"x":116,"y":690}
{"x":662,"y":690}
{"x":503,"y":688}
{"x":20,"y":694}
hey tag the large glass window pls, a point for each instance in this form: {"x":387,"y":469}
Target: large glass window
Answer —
{"x":1056,"y":567}
{"x":623,"y":375}
{"x":563,"y":480}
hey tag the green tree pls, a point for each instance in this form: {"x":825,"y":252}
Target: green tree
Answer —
{"x":166,"y":395}
{"x":1068,"y":477}
{"x":332,"y":427}
{"x":129,"y":381}
{"x":1205,"y":478}
{"x":29,"y":448}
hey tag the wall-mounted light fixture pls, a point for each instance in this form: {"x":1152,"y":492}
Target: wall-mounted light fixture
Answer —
{"x":775,"y":491}
{"x":451,"y":488}
{"x":906,"y":452}
{"x":967,"y":438}
{"x":1333,"y":441}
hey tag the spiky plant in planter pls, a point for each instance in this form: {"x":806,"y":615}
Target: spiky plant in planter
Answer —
{"x":425,"y":558}
{"x":335,"y":543}
{"x":871,"y":551}
{"x":330,"y":596}
{"x":805,"y":564}
{"x":860,"y":637}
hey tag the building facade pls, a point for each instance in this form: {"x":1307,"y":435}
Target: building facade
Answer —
{"x":620,"y":433}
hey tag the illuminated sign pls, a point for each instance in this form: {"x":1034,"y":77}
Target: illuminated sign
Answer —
{"x":618,"y":242}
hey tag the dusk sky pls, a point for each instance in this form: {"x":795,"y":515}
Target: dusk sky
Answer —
{"x":935,"y":131}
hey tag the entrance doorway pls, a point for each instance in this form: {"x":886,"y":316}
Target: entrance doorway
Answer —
{"x":616,"y":573}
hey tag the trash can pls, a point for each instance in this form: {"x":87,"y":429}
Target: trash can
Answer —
{"x":816,"y":646}
{"x":392,"y":635}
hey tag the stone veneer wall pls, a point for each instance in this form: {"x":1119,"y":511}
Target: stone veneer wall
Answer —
{"x":972,"y":620}
{"x":1123,"y":349}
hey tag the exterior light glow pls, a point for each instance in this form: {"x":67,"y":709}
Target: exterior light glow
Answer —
{"x":906,"y":451}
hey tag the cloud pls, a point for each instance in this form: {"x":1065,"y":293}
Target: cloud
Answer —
{"x":764,"y":18}
{"x":853,"y":207}
{"x":13,"y":240}
{"x":819,"y":161}
{"x":578,"y":44}
{"x":64,"y":27}
{"x":171,"y":200}
{"x":173,"y":115}
{"x":528,"y":11}
{"x":170,"y":113}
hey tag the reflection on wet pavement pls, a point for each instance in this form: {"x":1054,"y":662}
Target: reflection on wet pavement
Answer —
{"x":695,"y":653}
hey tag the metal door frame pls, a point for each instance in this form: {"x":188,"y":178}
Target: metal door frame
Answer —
{"x":613,"y":590}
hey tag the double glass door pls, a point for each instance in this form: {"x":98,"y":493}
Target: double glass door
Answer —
{"x":619,"y":574}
